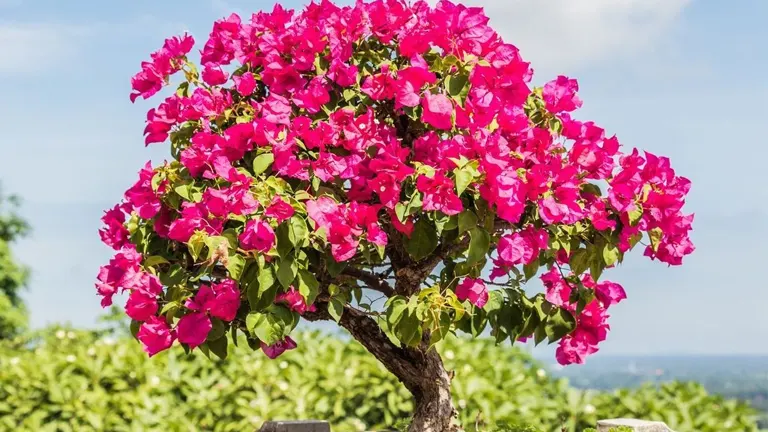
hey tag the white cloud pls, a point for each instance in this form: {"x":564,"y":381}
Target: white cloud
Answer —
{"x":34,"y":47}
{"x":562,"y":35}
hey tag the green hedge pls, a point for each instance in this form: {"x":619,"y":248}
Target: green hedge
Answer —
{"x":68,"y":380}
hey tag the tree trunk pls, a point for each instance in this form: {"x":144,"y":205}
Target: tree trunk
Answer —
{"x":419,"y":369}
{"x":434,"y":408}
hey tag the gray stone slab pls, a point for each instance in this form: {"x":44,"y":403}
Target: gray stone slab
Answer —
{"x":635,"y":425}
{"x":296,"y":426}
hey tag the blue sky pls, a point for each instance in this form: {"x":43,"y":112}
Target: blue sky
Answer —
{"x":683,"y":78}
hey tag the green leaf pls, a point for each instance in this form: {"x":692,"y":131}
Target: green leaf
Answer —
{"x":467,"y":221}
{"x":478,"y":321}
{"x":299,"y":232}
{"x":262,"y":290}
{"x":579,"y":261}
{"x":174,"y":276}
{"x":134,"y":327}
{"x":559,"y":324}
{"x":334,"y":268}
{"x":539,"y":334}
{"x":396,"y":306}
{"x":610,"y":254}
{"x":286,"y":271}
{"x":464,"y":178}
{"x":635,"y":215}
{"x":530,"y":269}
{"x":272,"y":325}
{"x":195,"y":244}
{"x":308,"y":286}
{"x":592,"y":189}
{"x":284,"y":240}
{"x":408,"y":329}
{"x":655,"y":236}
{"x":423,"y":240}
{"x":184,"y":190}
{"x":336,"y":308}
{"x":266,"y":277}
{"x":170,"y":307}
{"x":235,"y":266}
{"x":262,"y":162}
{"x":154,"y":260}
{"x":219,"y":347}
{"x":457,"y":88}
{"x":218,"y":329}
{"x":596,"y":266}
{"x":479,"y":243}
{"x":400,"y":211}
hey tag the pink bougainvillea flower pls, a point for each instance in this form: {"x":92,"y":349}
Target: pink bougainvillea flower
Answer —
{"x":275,"y":350}
{"x":438,"y":111}
{"x":609,"y":293}
{"x":226,"y":300}
{"x":522,"y":247}
{"x":121,"y":272}
{"x":221,"y":300}
{"x":473,"y":290}
{"x":410,"y":81}
{"x":165,"y":62}
{"x":213,"y":75}
{"x":439,"y":194}
{"x":141,"y":195}
{"x":508,"y":192}
{"x":560,"y":95}
{"x":343,"y":74}
{"x":114,"y":234}
{"x":140,"y":305}
{"x":279,"y":209}
{"x":380,"y":86}
{"x":591,"y":329}
{"x":257,"y":235}
{"x":194,"y":217}
{"x":193,"y":328}
{"x":295,"y":301}
{"x":155,"y":335}
{"x":314,"y":96}
{"x":160,"y":120}
{"x":245,"y":84}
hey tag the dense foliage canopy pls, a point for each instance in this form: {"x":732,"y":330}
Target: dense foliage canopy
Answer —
{"x":69,"y":380}
{"x":389,"y":145}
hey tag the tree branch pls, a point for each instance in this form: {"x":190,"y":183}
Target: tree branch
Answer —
{"x":410,"y":278}
{"x":373,"y":281}
{"x":401,"y":361}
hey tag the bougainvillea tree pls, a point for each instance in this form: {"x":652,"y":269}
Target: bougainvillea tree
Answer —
{"x":386,"y":147}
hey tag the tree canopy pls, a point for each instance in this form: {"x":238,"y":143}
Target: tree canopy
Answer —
{"x":393,"y":146}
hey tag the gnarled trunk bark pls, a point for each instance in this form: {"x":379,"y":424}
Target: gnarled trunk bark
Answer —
{"x":419,"y":369}
{"x":434,"y":407}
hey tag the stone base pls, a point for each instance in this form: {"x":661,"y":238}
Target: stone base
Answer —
{"x":635,"y":425}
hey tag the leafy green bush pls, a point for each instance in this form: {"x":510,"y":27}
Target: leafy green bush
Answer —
{"x":13,"y":275}
{"x":69,"y":380}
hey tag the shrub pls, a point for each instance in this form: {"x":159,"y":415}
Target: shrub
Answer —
{"x":64,"y":379}
{"x":13,"y":275}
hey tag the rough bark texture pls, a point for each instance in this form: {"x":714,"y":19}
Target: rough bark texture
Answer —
{"x":420,"y":370}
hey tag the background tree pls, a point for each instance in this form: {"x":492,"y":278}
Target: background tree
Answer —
{"x":393,"y":147}
{"x":13,"y":275}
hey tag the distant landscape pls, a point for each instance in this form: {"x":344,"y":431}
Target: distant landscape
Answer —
{"x":739,"y":377}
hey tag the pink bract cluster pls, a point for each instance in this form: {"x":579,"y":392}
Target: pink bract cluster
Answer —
{"x":341,"y":128}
